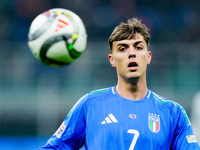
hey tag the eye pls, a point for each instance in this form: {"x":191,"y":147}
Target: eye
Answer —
{"x":122,"y":49}
{"x":139,"y":47}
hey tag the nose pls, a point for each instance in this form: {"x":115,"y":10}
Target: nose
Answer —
{"x":132,"y":54}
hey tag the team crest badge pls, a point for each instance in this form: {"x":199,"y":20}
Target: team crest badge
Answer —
{"x":154,"y":123}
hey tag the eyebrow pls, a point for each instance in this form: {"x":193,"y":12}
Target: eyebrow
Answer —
{"x":122,"y":44}
{"x":138,"y":42}
{"x":125,"y":44}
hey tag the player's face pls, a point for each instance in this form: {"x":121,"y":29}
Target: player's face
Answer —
{"x":130,"y":57}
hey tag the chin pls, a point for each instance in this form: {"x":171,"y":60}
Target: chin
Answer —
{"x":134,"y":75}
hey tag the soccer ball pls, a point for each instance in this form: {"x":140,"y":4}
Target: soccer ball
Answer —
{"x":57,"y":37}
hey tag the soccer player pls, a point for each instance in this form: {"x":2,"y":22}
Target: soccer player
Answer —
{"x":126,"y":116}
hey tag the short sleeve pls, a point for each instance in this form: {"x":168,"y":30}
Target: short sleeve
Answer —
{"x":183,"y":137}
{"x":71,"y":133}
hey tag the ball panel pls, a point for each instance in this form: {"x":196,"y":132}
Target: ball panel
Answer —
{"x":56,"y":47}
{"x":81,"y":42}
{"x":40,"y":25}
{"x":79,"y":28}
{"x":59,"y":53}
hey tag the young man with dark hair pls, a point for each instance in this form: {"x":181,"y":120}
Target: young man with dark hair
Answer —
{"x":126,"y":116}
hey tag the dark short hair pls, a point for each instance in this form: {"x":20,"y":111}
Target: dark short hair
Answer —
{"x":128,"y":30}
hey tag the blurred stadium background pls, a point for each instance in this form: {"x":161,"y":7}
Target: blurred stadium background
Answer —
{"x":34,"y":98}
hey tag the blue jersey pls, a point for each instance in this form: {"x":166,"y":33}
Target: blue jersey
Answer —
{"x":103,"y":120}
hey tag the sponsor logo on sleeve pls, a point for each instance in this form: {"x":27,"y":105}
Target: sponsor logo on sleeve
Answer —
{"x":191,"y":139}
{"x":60,"y":130}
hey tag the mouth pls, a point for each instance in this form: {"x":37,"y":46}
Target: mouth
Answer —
{"x":132,"y":66}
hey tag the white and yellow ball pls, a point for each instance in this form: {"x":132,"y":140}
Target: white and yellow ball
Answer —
{"x":57,"y":37}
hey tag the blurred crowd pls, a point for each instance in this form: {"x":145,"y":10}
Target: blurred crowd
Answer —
{"x":174,"y":71}
{"x":171,"y":20}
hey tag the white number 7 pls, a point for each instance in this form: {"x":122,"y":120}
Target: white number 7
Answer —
{"x":132,"y":131}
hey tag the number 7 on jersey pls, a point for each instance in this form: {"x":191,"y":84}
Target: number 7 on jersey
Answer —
{"x":136,"y":135}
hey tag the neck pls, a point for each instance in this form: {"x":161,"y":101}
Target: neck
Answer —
{"x":134,"y":88}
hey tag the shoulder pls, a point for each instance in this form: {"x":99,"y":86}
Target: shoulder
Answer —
{"x":173,"y":107}
{"x":84,"y":102}
{"x":99,"y":93}
{"x":163,"y":101}
{"x":95,"y":95}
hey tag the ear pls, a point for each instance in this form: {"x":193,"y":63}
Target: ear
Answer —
{"x":111,"y":59}
{"x":149,"y":56}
